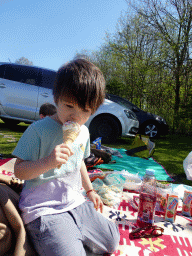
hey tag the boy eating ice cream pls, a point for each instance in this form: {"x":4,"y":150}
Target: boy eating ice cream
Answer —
{"x":58,"y":218}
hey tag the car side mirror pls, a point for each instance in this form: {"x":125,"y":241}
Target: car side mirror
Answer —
{"x":135,"y":109}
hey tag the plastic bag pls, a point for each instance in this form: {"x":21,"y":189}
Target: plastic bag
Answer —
{"x":132,"y":182}
{"x":187,"y":165}
{"x":115,"y":179}
{"x":110,"y":189}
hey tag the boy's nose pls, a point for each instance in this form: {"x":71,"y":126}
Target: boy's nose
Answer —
{"x":74,"y":116}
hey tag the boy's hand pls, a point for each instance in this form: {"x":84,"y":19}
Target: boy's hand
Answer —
{"x":95,"y":198}
{"x":60,"y":154}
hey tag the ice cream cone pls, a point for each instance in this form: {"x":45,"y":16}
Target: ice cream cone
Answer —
{"x":69,"y":136}
{"x":70,"y":132}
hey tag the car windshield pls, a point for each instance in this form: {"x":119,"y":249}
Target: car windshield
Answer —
{"x":121,"y":101}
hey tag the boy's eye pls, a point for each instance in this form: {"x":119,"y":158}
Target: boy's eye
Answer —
{"x":69,"y":106}
{"x":86,"y":110}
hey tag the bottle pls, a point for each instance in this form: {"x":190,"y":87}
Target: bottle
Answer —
{"x":147,"y":199}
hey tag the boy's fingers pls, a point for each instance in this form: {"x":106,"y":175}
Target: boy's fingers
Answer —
{"x":66,"y":146}
{"x":101,"y":206}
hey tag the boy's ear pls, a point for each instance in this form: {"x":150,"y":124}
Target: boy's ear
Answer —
{"x":42,"y":116}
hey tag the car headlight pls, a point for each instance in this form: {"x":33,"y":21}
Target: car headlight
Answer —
{"x":160,"y":119}
{"x":130,"y":114}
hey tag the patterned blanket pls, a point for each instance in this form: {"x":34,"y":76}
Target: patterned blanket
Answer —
{"x":176,"y":240}
{"x":7,"y":166}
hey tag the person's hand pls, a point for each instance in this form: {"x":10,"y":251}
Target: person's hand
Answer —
{"x":95,"y":198}
{"x":60,"y":154}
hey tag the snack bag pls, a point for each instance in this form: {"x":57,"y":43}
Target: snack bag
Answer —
{"x":110,"y":192}
{"x":187,"y":203}
{"x":171,"y":209}
{"x":97,"y":142}
{"x":94,"y":174}
{"x":162,"y":197}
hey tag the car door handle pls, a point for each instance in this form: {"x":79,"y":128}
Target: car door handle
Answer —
{"x":45,"y":94}
{"x":2,"y":85}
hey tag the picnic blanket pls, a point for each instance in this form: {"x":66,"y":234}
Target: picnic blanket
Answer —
{"x":136,"y":165}
{"x":132,"y":164}
{"x":176,"y":240}
{"x":7,"y":166}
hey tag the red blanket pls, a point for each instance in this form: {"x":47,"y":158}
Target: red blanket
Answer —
{"x":176,"y":240}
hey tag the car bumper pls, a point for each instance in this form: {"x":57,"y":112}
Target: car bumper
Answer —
{"x":131,"y":129}
{"x":164,"y":129}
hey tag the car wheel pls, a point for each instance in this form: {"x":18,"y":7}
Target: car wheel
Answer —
{"x":105,"y":127}
{"x":10,"y":122}
{"x":151,"y":130}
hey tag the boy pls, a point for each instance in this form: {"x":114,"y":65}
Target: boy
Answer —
{"x":57,"y":217}
{"x":47,"y":109}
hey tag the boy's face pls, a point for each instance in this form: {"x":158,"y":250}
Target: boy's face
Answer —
{"x":68,"y":110}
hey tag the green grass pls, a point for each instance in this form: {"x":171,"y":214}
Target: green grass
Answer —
{"x":170,"y":150}
{"x":14,"y":133}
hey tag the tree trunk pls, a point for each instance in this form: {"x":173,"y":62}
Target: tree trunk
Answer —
{"x":177,"y":99}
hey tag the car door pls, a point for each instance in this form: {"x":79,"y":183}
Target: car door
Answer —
{"x":45,"y":93}
{"x":19,"y":91}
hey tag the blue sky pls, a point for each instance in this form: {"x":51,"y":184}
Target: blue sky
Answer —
{"x":51,"y":32}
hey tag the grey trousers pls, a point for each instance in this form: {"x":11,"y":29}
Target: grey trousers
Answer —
{"x":68,"y":233}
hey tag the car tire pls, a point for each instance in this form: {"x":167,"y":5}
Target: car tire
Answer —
{"x":105,"y":127}
{"x":151,"y":129}
{"x":10,"y":122}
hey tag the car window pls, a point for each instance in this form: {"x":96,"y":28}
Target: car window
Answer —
{"x":121,"y":101}
{"x":48,"y":78}
{"x":2,"y":70}
{"x":23,"y":74}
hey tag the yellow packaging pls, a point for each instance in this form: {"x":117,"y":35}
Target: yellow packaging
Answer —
{"x":171,"y":209}
{"x":187,"y":203}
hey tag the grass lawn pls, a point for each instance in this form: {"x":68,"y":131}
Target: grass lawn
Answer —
{"x":9,"y":136}
{"x":170,"y":150}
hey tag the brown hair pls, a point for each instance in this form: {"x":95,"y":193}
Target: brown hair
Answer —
{"x":47,"y":109}
{"x":81,"y":80}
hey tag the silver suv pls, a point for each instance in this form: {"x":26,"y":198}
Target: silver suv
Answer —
{"x":23,"y":89}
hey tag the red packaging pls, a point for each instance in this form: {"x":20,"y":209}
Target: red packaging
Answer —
{"x":146,"y":210}
{"x":187,"y":203}
{"x":171,"y":209}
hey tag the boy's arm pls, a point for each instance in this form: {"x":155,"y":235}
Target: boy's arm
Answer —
{"x":87,"y":185}
{"x":26,"y":170}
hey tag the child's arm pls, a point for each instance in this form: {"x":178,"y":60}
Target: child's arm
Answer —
{"x":26,"y":170}
{"x":95,"y":198}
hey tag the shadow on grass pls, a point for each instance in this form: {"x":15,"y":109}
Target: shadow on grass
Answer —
{"x":14,"y":128}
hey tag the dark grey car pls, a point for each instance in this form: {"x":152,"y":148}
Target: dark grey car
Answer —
{"x":149,"y":124}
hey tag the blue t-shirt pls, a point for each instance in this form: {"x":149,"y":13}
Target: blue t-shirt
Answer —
{"x":57,"y":190}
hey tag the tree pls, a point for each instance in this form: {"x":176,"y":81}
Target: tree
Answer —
{"x":24,"y":61}
{"x":170,"y":21}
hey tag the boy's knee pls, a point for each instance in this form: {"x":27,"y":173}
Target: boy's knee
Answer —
{"x":114,"y":241}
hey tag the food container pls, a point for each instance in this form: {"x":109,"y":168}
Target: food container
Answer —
{"x":132,"y":182}
{"x":187,"y":203}
{"x":171,"y":209}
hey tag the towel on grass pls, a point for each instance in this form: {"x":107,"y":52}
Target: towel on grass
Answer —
{"x":136,"y":165}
